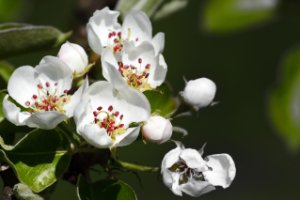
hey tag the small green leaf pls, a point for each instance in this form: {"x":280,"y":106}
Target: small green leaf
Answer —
{"x":39,"y":159}
{"x":6,"y":69}
{"x":104,"y":189}
{"x":162,"y":102}
{"x":26,"y":38}
{"x":2,"y":95}
{"x":285,"y":100}
{"x":230,"y":15}
{"x":169,"y":8}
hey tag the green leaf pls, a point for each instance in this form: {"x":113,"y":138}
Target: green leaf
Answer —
{"x":285,"y":100}
{"x":2,"y":95}
{"x":169,"y":8}
{"x":22,"y":38}
{"x":6,"y":69}
{"x":39,"y":159}
{"x":104,"y":189}
{"x":230,"y":15}
{"x":162,"y":102}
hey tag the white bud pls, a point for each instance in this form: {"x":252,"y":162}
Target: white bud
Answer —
{"x":199,"y":93}
{"x":157,"y":129}
{"x":74,"y":56}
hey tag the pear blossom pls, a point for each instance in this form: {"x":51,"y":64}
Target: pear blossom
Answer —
{"x":199,"y":93}
{"x":75,"y":57}
{"x":157,"y":129}
{"x":104,"y":31}
{"x":185,"y":171}
{"x":138,"y":66}
{"x":39,"y":97}
{"x":104,"y":116}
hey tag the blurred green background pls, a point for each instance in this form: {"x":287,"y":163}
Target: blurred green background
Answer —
{"x":245,"y":64}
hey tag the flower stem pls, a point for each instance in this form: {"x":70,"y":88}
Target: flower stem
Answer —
{"x":135,"y":167}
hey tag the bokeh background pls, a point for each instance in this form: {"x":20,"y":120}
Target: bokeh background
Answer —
{"x":245,"y":63}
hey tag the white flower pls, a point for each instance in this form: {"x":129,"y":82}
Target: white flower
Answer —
{"x":184,"y":170}
{"x":199,"y":93}
{"x":105,"y":113}
{"x":157,"y":129}
{"x":74,"y":56}
{"x":138,"y":66}
{"x":41,"y":94}
{"x":104,"y":31}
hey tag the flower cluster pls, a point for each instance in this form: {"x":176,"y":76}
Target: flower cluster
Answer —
{"x":111,"y":113}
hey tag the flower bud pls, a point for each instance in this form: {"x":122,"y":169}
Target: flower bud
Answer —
{"x":157,"y":129}
{"x":74,"y":56}
{"x":199,"y":93}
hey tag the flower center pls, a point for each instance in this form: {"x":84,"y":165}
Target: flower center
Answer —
{"x":47,"y":99}
{"x":136,"y":77}
{"x":110,"y":120}
{"x":116,"y":41}
{"x":185,"y":172}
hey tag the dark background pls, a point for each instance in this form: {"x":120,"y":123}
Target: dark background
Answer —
{"x":245,"y":66}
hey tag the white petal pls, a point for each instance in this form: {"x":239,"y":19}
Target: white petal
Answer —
{"x":45,"y":120}
{"x":171,"y":158}
{"x":193,"y":159}
{"x":223,"y":170}
{"x":74,"y":56}
{"x":100,"y":25}
{"x":158,"y":75}
{"x":158,"y":42}
{"x":96,"y":136}
{"x":53,"y":70}
{"x":76,"y":98}
{"x":127,"y":138}
{"x":13,"y":113}
{"x":137,"y":27}
{"x":176,"y":188}
{"x":23,"y":84}
{"x":197,"y":188}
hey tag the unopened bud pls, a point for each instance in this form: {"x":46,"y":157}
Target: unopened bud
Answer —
{"x":157,"y":129}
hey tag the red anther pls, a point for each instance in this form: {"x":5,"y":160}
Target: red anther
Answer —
{"x":116,"y":48}
{"x":54,"y":99}
{"x":99,"y":108}
{"x":126,"y":67}
{"x":121,"y":125}
{"x":102,"y":124}
{"x":120,"y":64}
{"x":45,"y":101}
{"x":109,"y":35}
{"x":96,"y":120}
{"x":116,"y":40}
{"x":64,"y":100}
{"x":47,"y":84}
{"x":36,"y":104}
{"x":116,"y":113}
{"x":95,"y":113}
{"x":148,"y":66}
{"x":120,"y":70}
{"x":121,"y":117}
{"x":147,"y":75}
{"x":34,"y":96}
{"x":27,"y":103}
{"x":140,"y":60}
{"x":113,"y":33}
{"x":66,"y":91}
{"x":40,"y":86}
{"x":110,"y":108}
{"x":119,"y":34}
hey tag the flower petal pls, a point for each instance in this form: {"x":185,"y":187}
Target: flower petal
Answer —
{"x":74,"y":56}
{"x":13,"y":113}
{"x":100,"y":25}
{"x":96,"y":136}
{"x":45,"y":120}
{"x":193,"y":159}
{"x":158,"y":42}
{"x":171,"y":158}
{"x":53,"y":70}
{"x":158,"y":75}
{"x":197,"y":188}
{"x":22,"y":84}
{"x":137,"y":27}
{"x":223,"y":170}
{"x":127,"y":138}
{"x":76,"y":98}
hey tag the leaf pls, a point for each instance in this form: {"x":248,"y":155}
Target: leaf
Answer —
{"x":39,"y":159}
{"x":285,"y":100}
{"x":231,"y":15}
{"x":23,"y":38}
{"x":169,"y":8}
{"x":6,"y":69}
{"x":162,"y":102}
{"x":2,"y":95}
{"x":104,"y":189}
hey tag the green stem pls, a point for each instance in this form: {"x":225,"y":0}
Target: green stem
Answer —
{"x":135,"y":167}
